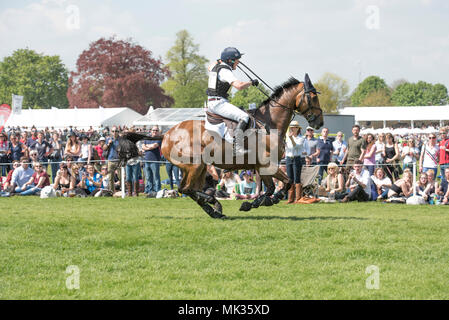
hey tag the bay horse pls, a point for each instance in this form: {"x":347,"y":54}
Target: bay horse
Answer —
{"x":192,"y":148}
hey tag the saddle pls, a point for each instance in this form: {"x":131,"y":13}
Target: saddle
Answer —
{"x":253,"y":122}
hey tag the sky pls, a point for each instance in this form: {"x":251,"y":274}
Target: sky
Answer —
{"x":394,"y":39}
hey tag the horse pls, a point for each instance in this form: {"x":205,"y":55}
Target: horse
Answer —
{"x":192,"y":148}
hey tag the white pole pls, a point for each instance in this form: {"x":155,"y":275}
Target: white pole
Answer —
{"x":414,"y":179}
{"x":123,"y":182}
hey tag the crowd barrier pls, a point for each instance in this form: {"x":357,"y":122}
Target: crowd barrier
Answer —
{"x":414,"y":170}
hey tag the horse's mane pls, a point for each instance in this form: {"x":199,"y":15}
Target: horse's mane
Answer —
{"x":279,"y":90}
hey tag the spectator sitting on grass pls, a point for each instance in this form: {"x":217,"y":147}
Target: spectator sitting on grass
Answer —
{"x":91,"y":182}
{"x":227,"y":184}
{"x":36,"y":183}
{"x":21,"y":175}
{"x":247,"y":187}
{"x":443,"y":190}
{"x":434,"y":185}
{"x":334,"y":182}
{"x":402,"y":187}
{"x":422,"y":187}
{"x":64,"y":183}
{"x":359,"y":184}
{"x":381,"y":184}
{"x":7,"y":184}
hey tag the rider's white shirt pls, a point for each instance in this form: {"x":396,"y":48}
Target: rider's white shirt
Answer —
{"x":226,"y":75}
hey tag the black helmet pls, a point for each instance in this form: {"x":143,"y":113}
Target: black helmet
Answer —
{"x":231,"y":54}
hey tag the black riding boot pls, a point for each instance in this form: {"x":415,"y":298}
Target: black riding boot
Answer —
{"x":239,"y":145}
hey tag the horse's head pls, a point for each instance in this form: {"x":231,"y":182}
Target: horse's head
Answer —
{"x":308,"y":104}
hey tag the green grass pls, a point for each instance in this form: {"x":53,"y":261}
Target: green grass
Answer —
{"x":169,"y":249}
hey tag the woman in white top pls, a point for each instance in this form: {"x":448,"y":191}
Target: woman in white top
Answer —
{"x":409,"y":154}
{"x":293,"y":152}
{"x":86,"y":150}
{"x":429,"y":155}
{"x":229,"y":180}
{"x":380,"y":149}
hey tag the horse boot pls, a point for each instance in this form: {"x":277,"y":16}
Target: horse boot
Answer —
{"x":239,"y":143}
{"x":136,"y":189}
{"x":291,"y":194}
{"x":298,"y":189}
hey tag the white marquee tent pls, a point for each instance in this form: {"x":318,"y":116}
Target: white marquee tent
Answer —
{"x":80,"y":118}
{"x":409,"y":115}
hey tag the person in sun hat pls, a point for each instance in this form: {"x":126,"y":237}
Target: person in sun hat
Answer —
{"x":294,"y":161}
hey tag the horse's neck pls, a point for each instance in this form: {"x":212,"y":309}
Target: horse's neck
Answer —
{"x":276,"y":116}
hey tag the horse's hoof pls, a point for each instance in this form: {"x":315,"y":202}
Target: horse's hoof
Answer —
{"x":246,"y":206}
{"x":275,"y":200}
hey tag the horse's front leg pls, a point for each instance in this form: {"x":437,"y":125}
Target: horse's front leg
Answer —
{"x":280,"y":195}
{"x":262,"y":200}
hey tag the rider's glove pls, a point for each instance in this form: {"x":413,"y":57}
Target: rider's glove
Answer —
{"x":255,"y":82}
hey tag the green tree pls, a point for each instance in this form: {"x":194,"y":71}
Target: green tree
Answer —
{"x":243,"y":98}
{"x":367,"y":86}
{"x":420,"y":94}
{"x":333,"y":91}
{"x":188,"y":82}
{"x":42,"y":80}
{"x":378,"y":98}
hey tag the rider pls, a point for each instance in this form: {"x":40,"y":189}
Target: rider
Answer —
{"x":221,"y":79}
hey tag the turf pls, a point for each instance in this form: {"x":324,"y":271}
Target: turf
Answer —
{"x":169,"y":249}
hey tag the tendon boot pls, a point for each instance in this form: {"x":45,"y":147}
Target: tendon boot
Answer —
{"x":298,"y":189}
{"x":136,"y":189}
{"x":239,"y":145}
{"x":291,"y":194}
{"x":128,"y":188}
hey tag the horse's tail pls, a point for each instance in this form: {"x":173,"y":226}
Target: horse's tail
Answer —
{"x":135,"y":137}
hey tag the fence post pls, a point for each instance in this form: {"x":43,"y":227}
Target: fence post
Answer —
{"x":414,"y":178}
{"x":123,"y":182}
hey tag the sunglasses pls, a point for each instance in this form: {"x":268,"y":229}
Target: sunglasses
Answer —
{"x":433,"y":138}
{"x":38,"y":166}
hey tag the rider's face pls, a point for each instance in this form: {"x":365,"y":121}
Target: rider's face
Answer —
{"x":236,"y":63}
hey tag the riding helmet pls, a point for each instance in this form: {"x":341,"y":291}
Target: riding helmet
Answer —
{"x":231,"y":53}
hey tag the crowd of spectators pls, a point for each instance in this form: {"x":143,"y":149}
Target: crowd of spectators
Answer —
{"x":363,"y":168}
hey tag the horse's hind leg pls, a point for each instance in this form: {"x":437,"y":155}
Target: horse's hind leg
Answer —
{"x":191,"y":185}
{"x":263,"y":200}
{"x":281,"y":176}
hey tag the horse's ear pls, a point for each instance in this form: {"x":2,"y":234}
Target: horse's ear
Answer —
{"x":308,"y":84}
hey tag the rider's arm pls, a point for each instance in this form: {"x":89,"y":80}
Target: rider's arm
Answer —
{"x":240,"y":85}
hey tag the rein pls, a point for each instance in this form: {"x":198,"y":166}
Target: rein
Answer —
{"x":309,"y":118}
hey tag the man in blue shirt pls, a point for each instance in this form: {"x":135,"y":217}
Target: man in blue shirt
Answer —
{"x":152,"y":151}
{"x":112,"y":145}
{"x":324,"y":149}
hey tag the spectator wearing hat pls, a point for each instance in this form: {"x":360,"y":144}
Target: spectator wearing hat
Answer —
{"x":294,"y":161}
{"x":310,"y":145}
{"x":325,"y":149}
{"x":444,"y":152}
{"x":73,"y":147}
{"x":334,"y":183}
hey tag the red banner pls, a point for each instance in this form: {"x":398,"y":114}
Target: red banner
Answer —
{"x":5,"y":112}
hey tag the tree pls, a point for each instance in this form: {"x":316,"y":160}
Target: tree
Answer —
{"x":367,"y":86}
{"x":333,"y":91}
{"x":377,"y":98}
{"x":42,"y":80}
{"x":188,"y":82}
{"x":118,"y":73}
{"x":420,"y":94}
{"x":243,"y":98}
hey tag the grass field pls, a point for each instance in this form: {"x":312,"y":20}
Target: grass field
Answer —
{"x":169,"y":249}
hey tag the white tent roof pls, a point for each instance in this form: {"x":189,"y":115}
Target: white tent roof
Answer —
{"x":80,"y":118}
{"x":425,"y":113}
{"x":170,"y":116}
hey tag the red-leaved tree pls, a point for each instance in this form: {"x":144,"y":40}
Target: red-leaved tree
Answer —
{"x":115,"y":73}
